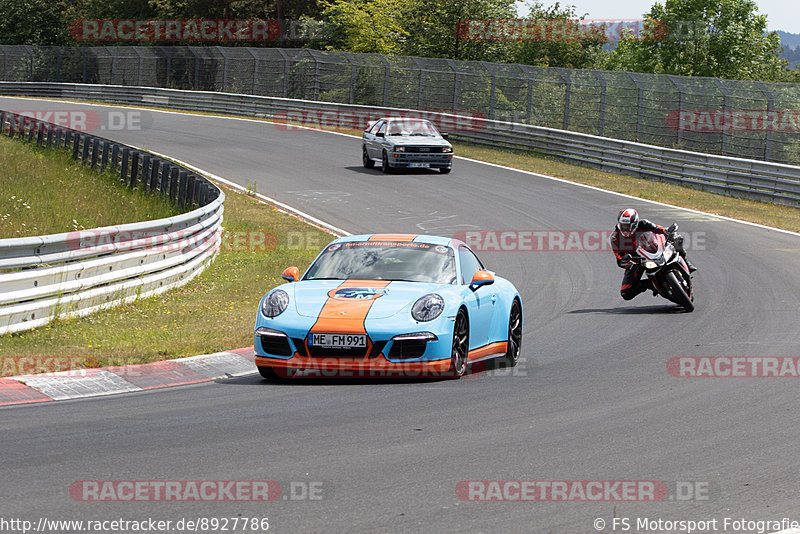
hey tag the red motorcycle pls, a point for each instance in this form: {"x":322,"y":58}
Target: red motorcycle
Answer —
{"x":665,"y":267}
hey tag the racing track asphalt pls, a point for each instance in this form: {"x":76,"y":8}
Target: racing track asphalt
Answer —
{"x":592,"y":399}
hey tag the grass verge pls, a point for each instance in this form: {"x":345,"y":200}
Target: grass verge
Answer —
{"x":44,"y":191}
{"x":213,"y":312}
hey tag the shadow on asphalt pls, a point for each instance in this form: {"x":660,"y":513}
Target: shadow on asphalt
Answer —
{"x":633,"y":310}
{"x":478,"y":370}
{"x":377,"y":171}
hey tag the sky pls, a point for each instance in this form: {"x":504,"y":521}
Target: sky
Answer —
{"x":782,"y":14}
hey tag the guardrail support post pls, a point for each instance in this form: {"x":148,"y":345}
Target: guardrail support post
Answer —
{"x":726,"y":108}
{"x":134,"y":169}
{"x":173,"y":183}
{"x":123,"y":169}
{"x":76,"y":145}
{"x":85,"y":150}
{"x":154,"y":175}
{"x":104,"y":158}
{"x":182,"y":176}
{"x":95,"y":148}
{"x":145,"y":172}
{"x":115,"y":154}
{"x":163,"y":184}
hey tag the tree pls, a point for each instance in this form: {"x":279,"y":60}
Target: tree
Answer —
{"x":34,"y":22}
{"x":558,"y":39}
{"x":720,"y":38}
{"x":365,"y":25}
{"x":435,"y":24}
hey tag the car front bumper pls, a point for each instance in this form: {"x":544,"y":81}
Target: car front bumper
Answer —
{"x":423,"y":160}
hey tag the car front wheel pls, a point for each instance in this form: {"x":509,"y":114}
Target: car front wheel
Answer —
{"x":460,"y":350}
{"x":385,"y":163}
{"x":368,"y":163}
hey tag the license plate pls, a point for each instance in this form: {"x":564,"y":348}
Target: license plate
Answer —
{"x":419,"y":165}
{"x":331,"y":341}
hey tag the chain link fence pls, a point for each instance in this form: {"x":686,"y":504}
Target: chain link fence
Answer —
{"x":748,"y":119}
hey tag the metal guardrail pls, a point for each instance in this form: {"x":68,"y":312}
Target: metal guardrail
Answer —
{"x":735,"y":118}
{"x":76,"y":273}
{"x":755,"y":179}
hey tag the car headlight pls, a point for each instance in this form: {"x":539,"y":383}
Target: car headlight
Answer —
{"x":447,"y":149}
{"x":427,"y":308}
{"x":275,"y":303}
{"x":399,"y":149}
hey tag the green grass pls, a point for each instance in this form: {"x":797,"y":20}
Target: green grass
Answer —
{"x":214,"y":312}
{"x":46,"y":192}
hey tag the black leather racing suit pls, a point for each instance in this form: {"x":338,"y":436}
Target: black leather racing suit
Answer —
{"x":632,"y":283}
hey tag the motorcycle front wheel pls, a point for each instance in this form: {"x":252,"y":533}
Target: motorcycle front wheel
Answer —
{"x":679,"y":293}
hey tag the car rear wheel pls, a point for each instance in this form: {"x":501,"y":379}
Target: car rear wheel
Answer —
{"x":514,"y":335}
{"x":368,"y":163}
{"x":460,"y":350}
{"x":385,"y":163}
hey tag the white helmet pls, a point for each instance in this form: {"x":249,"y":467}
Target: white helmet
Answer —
{"x":627,"y":221}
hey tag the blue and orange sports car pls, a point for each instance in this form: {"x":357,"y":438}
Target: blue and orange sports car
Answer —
{"x":388,"y":305}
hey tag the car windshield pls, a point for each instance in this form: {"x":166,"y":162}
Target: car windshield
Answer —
{"x":412,"y":127}
{"x":384,"y":260}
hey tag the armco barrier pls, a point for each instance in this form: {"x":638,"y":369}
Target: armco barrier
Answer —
{"x":755,"y":179}
{"x":76,"y":273}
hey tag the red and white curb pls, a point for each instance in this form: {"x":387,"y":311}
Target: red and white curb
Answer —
{"x":80,"y":383}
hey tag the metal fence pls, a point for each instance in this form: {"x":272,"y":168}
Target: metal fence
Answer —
{"x":747,"y":119}
{"x":773,"y":182}
{"x":76,"y":273}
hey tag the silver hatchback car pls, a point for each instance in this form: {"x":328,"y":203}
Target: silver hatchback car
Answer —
{"x":406,"y":143}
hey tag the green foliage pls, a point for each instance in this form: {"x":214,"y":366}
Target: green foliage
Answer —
{"x":40,"y":22}
{"x":433,"y":25}
{"x":561,"y":41}
{"x":718,"y":38}
{"x":366,"y":25}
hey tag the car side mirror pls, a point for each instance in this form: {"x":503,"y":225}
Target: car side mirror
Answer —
{"x":445,"y":135}
{"x":291,"y":274}
{"x":480,"y":279}
{"x":380,"y":134}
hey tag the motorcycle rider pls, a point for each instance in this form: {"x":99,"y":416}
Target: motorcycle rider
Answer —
{"x":624,"y":242}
